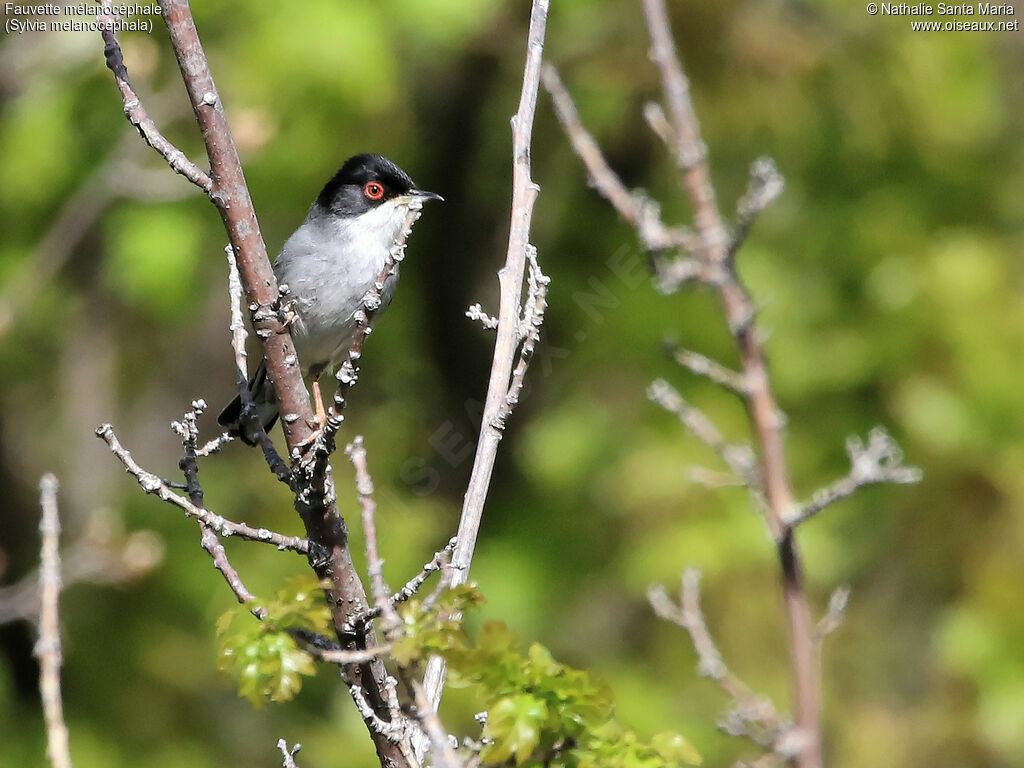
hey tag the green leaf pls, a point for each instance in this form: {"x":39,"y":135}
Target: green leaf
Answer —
{"x":676,"y":748}
{"x":514,"y":724}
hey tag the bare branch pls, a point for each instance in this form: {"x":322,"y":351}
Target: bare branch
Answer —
{"x":340,"y":656}
{"x":288,"y":753}
{"x":753,"y":716}
{"x":48,"y":647}
{"x":632,"y":205}
{"x":437,"y":562}
{"x":476,"y":312}
{"x":356,"y":453}
{"x":703,"y":365}
{"x":507,"y":341}
{"x":138,"y":116}
{"x":222,"y":526}
{"x":833,"y":619}
{"x":188,"y":430}
{"x":880,"y":461}
{"x":766,"y":184}
{"x":393,"y":730}
{"x":739,"y":458}
{"x":691,"y":156}
{"x":444,"y":753}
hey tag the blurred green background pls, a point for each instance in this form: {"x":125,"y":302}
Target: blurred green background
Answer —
{"x":890,"y":275}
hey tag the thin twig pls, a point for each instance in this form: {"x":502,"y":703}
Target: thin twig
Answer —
{"x":507,"y":339}
{"x":288,"y":753}
{"x":833,"y":618}
{"x":356,"y":453}
{"x":152,"y":484}
{"x":138,"y":116}
{"x":188,"y":430}
{"x":341,"y":656}
{"x":436,"y":563}
{"x":765,"y":185}
{"x":739,"y":458}
{"x":533,"y":319}
{"x":702,"y":365}
{"x":753,"y":716}
{"x":632,"y":205}
{"x":476,"y":312}
{"x":880,"y":461}
{"x":48,"y":647}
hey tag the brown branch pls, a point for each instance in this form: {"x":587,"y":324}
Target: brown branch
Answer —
{"x":632,"y":205}
{"x":508,"y":339}
{"x":48,"y":647}
{"x":329,"y":553}
{"x":691,"y":156}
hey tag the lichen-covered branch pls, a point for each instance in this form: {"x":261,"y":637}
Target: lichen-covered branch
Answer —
{"x":222,"y":526}
{"x":315,"y":503}
{"x":138,"y":116}
{"x":880,"y":461}
{"x":752,"y":716}
{"x":508,"y":337}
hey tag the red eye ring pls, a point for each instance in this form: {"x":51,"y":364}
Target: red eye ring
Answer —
{"x":373,"y":190}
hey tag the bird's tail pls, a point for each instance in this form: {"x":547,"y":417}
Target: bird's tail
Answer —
{"x":264,"y":399}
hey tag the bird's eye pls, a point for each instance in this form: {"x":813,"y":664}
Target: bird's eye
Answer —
{"x":373,"y":190}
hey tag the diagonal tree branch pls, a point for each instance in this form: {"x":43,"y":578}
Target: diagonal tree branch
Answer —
{"x":508,"y":336}
{"x":152,"y":484}
{"x":138,"y":116}
{"x":329,"y":552}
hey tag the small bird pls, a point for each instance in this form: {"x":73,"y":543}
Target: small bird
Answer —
{"x":329,"y":264}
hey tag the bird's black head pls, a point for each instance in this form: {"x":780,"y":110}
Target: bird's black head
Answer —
{"x":365,"y":182}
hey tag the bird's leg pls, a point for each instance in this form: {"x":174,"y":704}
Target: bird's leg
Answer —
{"x":318,"y":402}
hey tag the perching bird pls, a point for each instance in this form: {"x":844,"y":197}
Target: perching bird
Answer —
{"x":329,"y":264}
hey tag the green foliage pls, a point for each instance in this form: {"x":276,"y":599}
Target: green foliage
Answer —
{"x":261,"y":656}
{"x":539,"y":712}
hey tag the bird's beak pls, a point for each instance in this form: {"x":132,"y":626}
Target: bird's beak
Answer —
{"x":420,"y":194}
